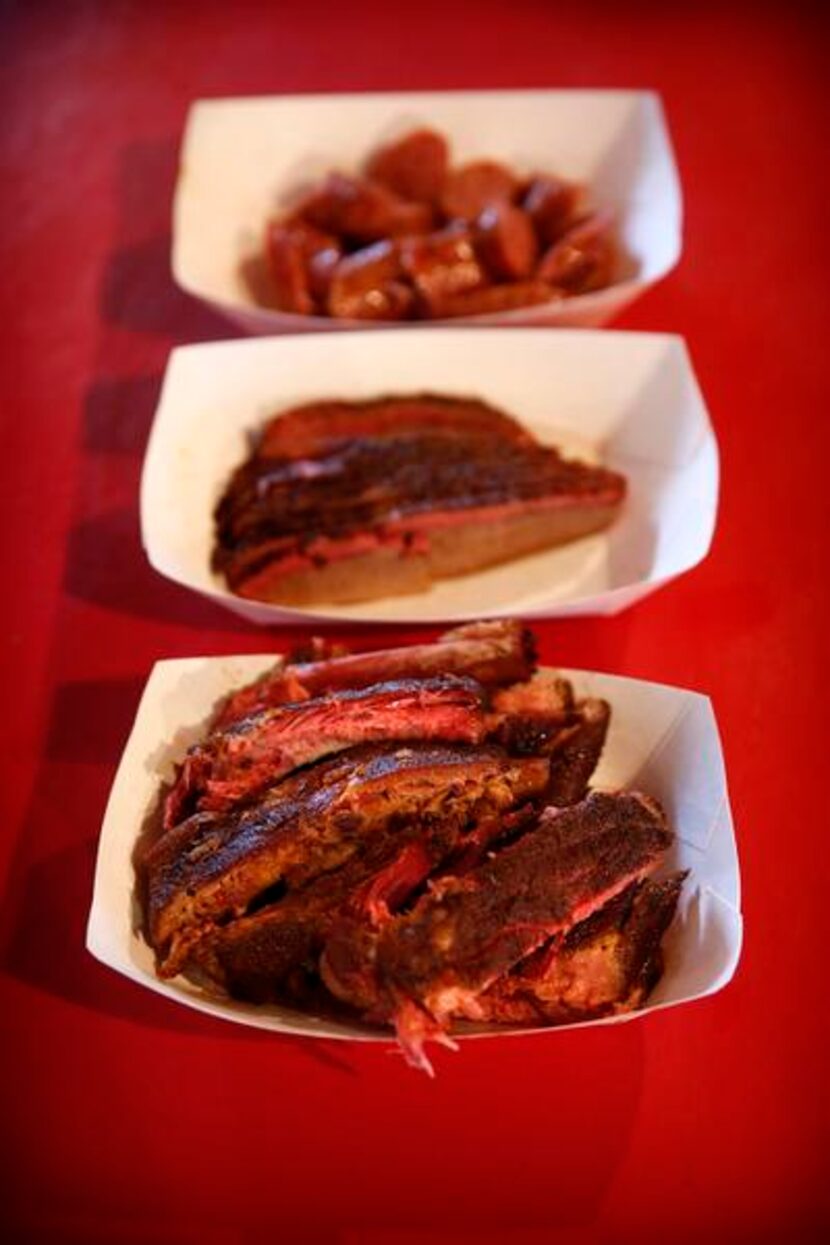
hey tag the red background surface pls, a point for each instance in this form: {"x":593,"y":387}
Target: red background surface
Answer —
{"x":126,"y":1118}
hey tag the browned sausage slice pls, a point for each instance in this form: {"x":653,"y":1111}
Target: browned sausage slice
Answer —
{"x":364,"y":210}
{"x":366,"y":285}
{"x":495,"y":298}
{"x":414,"y":167}
{"x":390,"y":301}
{"x":505,"y":240}
{"x":583,"y":259}
{"x":286,"y":251}
{"x":551,"y":204}
{"x":321,"y":268}
{"x":443,"y":263}
{"x":470,"y":188}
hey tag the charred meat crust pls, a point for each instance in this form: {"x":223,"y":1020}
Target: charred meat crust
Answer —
{"x":466,"y":932}
{"x":493,"y":653}
{"x":605,"y":965}
{"x":395,"y":486}
{"x":315,"y":426}
{"x":335,"y":481}
{"x":210,"y":868}
{"x":236,"y":763}
{"x":574,"y":860}
{"x":255,"y":957}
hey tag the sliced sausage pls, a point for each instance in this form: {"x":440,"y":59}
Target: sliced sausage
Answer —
{"x":366,"y":211}
{"x":550,"y":203}
{"x":583,"y":259}
{"x":442,"y":264}
{"x":366,"y":285}
{"x":321,"y":268}
{"x":495,"y":298}
{"x":286,"y":251}
{"x":506,"y":242}
{"x":414,"y":167}
{"x":472,"y":187}
{"x":390,"y":301}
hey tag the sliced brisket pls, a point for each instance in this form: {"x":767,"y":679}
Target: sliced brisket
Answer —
{"x":390,"y":480}
{"x":211,"y":867}
{"x":468,"y":931}
{"x":606,"y":964}
{"x":307,"y":430}
{"x":492,"y":653}
{"x":236,"y":763}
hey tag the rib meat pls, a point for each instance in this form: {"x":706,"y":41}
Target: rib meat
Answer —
{"x":605,"y":965}
{"x":492,"y":653}
{"x":432,"y":964}
{"x":233,"y":765}
{"x":210,"y":868}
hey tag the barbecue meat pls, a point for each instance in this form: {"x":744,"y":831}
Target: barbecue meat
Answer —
{"x":605,"y":965}
{"x":425,"y":967}
{"x":576,"y":752}
{"x":492,"y":653}
{"x":407,"y":836}
{"x":541,"y":717}
{"x":235,"y":764}
{"x":384,"y":499}
{"x":306,"y":431}
{"x":271,"y":954}
{"x":212,"y":867}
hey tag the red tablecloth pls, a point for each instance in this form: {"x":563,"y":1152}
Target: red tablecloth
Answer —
{"x":127,"y":1118}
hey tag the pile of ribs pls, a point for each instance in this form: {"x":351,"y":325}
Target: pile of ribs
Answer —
{"x":418,"y":238}
{"x":407,"y":837}
{"x":346,"y":501}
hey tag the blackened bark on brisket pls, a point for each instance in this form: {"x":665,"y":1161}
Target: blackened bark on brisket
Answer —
{"x":606,"y":964}
{"x":469,"y":931}
{"x":307,"y":430}
{"x":233,"y":765}
{"x":256,"y":957}
{"x":379,"y":480}
{"x":492,"y":653}
{"x":211,"y":868}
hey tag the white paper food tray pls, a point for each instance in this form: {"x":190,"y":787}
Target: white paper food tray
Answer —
{"x":241,"y":158}
{"x":663,"y":741}
{"x":629,"y":400}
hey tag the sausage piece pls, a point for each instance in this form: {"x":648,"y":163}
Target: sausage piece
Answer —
{"x":442,"y":264}
{"x":366,"y":285}
{"x":495,"y":298}
{"x":472,"y":187}
{"x":506,"y":242}
{"x":286,"y":251}
{"x":414,"y":167}
{"x":583,"y":259}
{"x":550,"y":203}
{"x":363,"y":210}
{"x":321,"y":268}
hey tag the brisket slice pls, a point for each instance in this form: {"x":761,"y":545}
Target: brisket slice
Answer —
{"x":233,"y":765}
{"x":212,"y":867}
{"x":576,"y":751}
{"x":605,"y":965}
{"x":401,"y":491}
{"x":307,"y":430}
{"x":270,"y":954}
{"x":492,"y":653}
{"x":425,"y":967}
{"x":541,"y":717}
